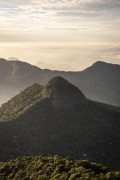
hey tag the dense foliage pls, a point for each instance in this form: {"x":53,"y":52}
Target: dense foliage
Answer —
{"x":20,"y":103}
{"x":54,"y":168}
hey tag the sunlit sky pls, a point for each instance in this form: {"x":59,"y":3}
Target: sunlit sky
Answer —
{"x":60,"y":34}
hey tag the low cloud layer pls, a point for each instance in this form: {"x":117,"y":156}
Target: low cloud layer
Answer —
{"x":62,"y":56}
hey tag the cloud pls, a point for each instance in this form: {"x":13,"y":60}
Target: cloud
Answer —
{"x":81,"y":5}
{"x":67,"y":6}
{"x":84,"y":22}
{"x":14,"y":2}
{"x":56,"y":66}
{"x":70,"y":56}
{"x":73,"y":20}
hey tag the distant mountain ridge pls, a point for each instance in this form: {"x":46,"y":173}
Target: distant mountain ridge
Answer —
{"x":100,"y":82}
{"x":44,"y":124}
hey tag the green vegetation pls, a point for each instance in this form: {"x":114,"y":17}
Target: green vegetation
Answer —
{"x":54,"y":168}
{"x":20,"y":103}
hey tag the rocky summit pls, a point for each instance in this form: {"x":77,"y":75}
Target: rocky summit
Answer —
{"x":63,"y":95}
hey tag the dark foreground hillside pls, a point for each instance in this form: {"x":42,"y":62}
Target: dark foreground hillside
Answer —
{"x":59,"y":119}
{"x":54,"y":168}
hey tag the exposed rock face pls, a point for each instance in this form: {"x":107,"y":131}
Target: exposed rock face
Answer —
{"x":63,"y":94}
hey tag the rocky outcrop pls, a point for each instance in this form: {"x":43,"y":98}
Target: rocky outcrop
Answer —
{"x":63,"y":94}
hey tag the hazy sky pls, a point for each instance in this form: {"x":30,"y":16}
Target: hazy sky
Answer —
{"x":60,"y":34}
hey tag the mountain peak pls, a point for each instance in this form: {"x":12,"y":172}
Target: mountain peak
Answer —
{"x":63,"y":94}
{"x":3,"y":60}
{"x":101,"y":64}
{"x":103,"y":69}
{"x":104,"y":64}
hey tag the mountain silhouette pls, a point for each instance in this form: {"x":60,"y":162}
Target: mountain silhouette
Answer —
{"x":100,"y":82}
{"x":54,"y":121}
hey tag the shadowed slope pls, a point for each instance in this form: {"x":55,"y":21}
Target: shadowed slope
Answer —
{"x":21,"y":102}
{"x":63,"y":94}
{"x":86,"y":132}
